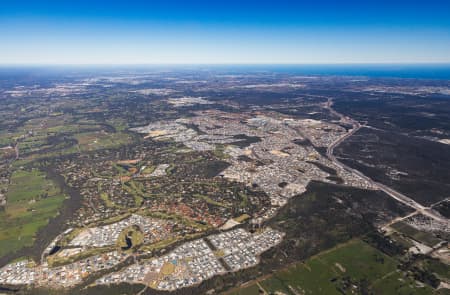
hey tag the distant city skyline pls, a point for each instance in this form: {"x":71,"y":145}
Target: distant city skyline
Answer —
{"x":229,"y":32}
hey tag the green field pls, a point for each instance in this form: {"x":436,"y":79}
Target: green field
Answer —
{"x":351,"y":268}
{"x":210,"y":201}
{"x":55,"y":260}
{"x":136,"y":189}
{"x":397,"y":283}
{"x":134,"y":233}
{"x":420,"y":236}
{"x":89,"y":141}
{"x":110,"y":204}
{"x":32,"y":201}
{"x":250,"y":290}
{"x":437,"y":267}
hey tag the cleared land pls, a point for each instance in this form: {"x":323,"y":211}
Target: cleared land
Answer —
{"x":90,"y":141}
{"x":349,"y":268}
{"x":32,"y":201}
{"x":420,"y":236}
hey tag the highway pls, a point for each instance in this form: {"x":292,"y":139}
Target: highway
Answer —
{"x":389,"y":191}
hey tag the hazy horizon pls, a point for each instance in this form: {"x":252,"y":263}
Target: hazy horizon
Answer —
{"x":416,"y":70}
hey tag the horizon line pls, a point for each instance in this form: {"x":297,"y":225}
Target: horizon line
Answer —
{"x":229,"y":64}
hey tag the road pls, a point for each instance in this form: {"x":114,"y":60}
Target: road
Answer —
{"x":389,"y":191}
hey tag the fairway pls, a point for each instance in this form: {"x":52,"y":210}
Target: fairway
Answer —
{"x":32,"y":201}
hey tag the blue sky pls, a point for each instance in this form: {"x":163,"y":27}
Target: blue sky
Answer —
{"x":186,"y":32}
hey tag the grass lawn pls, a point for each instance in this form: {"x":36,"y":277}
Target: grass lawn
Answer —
{"x":136,"y":189}
{"x":110,"y":204}
{"x":32,"y":201}
{"x":242,"y":218}
{"x":132,"y":232}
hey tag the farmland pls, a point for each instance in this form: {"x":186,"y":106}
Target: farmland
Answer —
{"x":32,"y":201}
{"x":349,"y":268}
